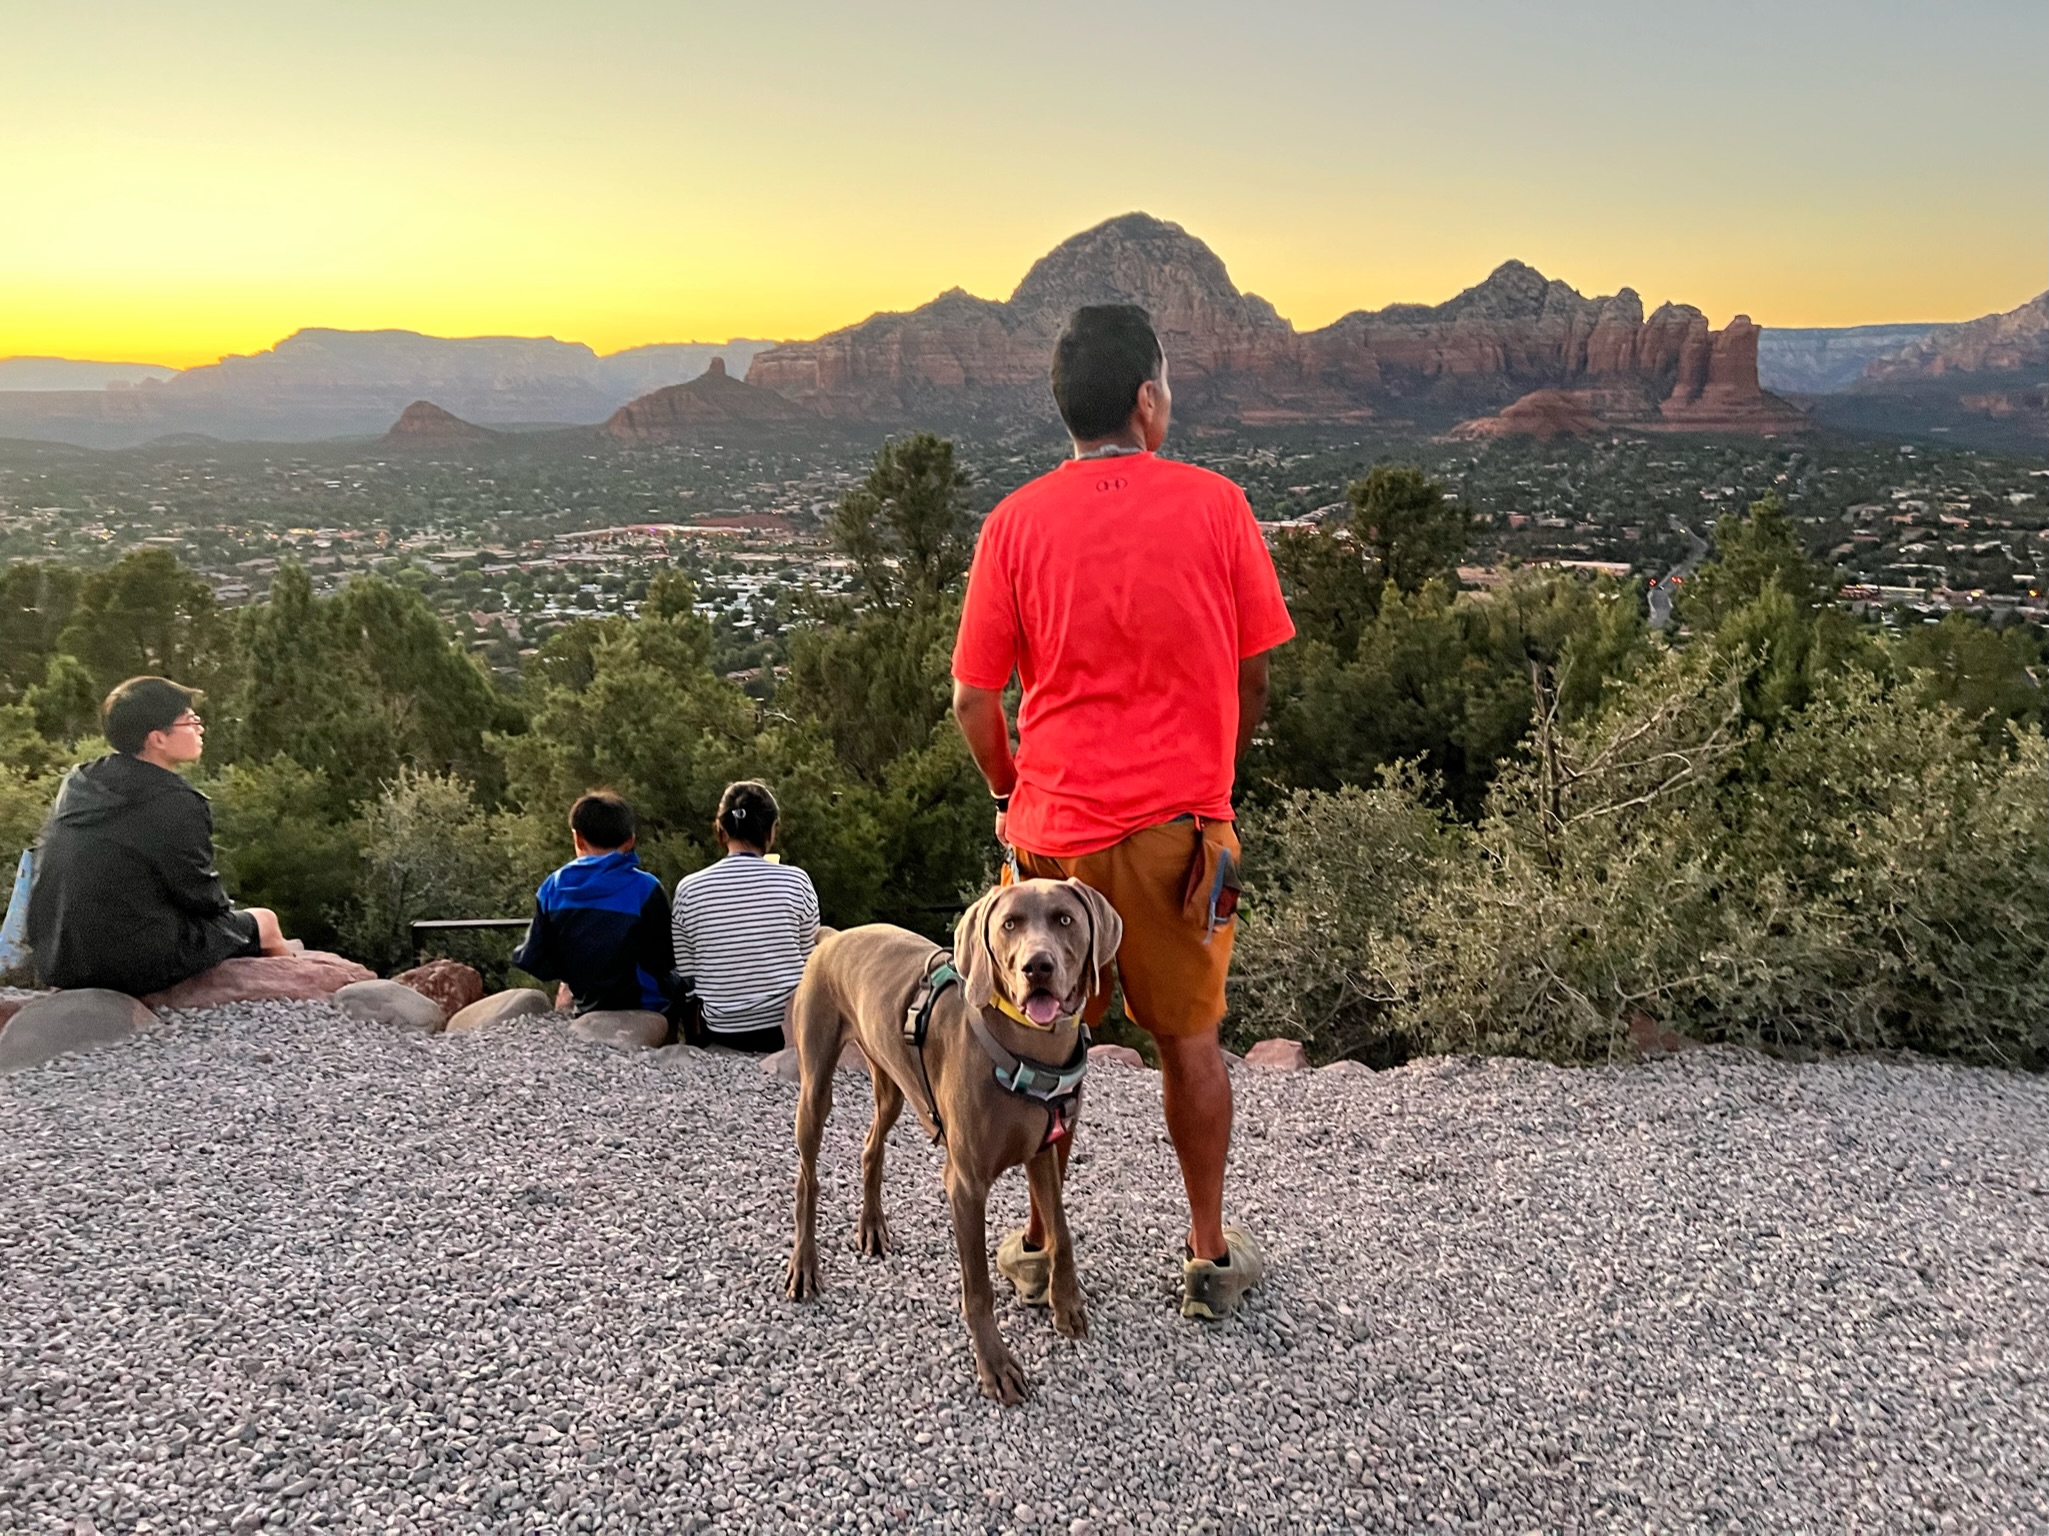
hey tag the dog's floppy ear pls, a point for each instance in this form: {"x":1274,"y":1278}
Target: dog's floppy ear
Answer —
{"x":1109,"y":930}
{"x":971,"y":952}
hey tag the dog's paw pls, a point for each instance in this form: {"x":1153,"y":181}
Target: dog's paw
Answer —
{"x":1001,"y":1377}
{"x":800,"y":1280}
{"x":871,"y":1235}
{"x":1071,"y":1319}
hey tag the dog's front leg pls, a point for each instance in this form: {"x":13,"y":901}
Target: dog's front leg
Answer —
{"x":814,"y":1107}
{"x":1070,"y":1313}
{"x":995,"y":1368}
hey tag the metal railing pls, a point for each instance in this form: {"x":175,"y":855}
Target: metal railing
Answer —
{"x":426,"y":927}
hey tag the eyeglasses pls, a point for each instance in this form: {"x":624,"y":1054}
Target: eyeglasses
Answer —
{"x":184,"y":721}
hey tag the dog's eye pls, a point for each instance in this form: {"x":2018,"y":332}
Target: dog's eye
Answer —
{"x":1009,"y":923}
{"x":1066,"y":921}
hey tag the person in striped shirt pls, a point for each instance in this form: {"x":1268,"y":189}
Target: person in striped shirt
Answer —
{"x":744,"y":926}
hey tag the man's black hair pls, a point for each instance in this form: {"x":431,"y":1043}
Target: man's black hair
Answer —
{"x":748,"y":812}
{"x":141,"y":705}
{"x":1105,"y":353}
{"x":602,"y":820}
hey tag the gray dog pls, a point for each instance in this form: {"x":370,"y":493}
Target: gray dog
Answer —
{"x":990,"y":1056}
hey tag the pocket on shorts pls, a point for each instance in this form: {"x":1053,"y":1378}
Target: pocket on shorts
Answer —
{"x":1212,"y":887}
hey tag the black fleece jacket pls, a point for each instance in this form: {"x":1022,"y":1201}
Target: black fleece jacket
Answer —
{"x":125,"y":893}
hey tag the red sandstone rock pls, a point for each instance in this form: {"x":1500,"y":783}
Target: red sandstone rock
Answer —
{"x":1650,"y":1038}
{"x":1114,"y":1056}
{"x":423,"y":424}
{"x":1234,"y":358}
{"x":1717,"y":389}
{"x":1542,"y":413}
{"x":448,"y":982}
{"x":1279,"y":1055}
{"x":300,"y":977}
{"x":713,"y":399}
{"x":1994,"y":344}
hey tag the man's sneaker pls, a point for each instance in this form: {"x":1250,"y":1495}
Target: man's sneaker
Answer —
{"x":1029,"y":1269}
{"x":1213,"y":1290}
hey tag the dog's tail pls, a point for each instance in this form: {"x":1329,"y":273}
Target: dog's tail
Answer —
{"x":818,"y":1028}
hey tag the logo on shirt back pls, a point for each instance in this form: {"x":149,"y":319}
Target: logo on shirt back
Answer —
{"x":1110,"y":483}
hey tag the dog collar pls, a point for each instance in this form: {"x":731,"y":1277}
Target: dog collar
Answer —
{"x":1016,"y":1015}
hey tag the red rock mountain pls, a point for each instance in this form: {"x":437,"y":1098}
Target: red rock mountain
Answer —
{"x":713,"y":399}
{"x":423,"y":424}
{"x":2015,"y":341}
{"x":1234,"y":358}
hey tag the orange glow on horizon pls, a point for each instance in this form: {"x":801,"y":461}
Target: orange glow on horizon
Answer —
{"x":697,"y":173}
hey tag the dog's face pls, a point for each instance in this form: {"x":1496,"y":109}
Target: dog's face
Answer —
{"x":1041,"y":943}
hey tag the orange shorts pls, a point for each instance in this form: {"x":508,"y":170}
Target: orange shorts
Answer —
{"x":1171,"y":965}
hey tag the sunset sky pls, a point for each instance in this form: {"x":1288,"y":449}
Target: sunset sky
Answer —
{"x":187,"y":180}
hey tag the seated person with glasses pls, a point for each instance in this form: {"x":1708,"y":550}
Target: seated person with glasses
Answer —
{"x":125,"y":893}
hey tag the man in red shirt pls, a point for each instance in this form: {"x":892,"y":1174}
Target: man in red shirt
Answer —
{"x":1135,"y":599}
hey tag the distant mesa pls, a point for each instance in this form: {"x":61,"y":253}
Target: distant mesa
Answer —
{"x":323,"y":383}
{"x":1821,"y":360}
{"x":1234,"y":358}
{"x":714,"y":399}
{"x":425,"y":424}
{"x":42,"y":374}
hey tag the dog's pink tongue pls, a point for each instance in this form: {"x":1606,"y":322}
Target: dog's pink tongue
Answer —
{"x":1042,"y":1008}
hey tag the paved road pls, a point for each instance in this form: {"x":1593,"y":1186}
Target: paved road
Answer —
{"x":1660,"y":596}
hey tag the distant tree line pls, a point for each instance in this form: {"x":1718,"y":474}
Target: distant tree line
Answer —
{"x":1511,"y":820}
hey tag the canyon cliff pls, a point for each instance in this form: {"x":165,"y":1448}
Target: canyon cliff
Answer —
{"x":1232,"y":357}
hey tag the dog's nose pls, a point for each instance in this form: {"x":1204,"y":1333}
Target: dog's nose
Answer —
{"x":1038,"y":968}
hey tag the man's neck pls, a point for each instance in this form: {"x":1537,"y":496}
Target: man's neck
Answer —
{"x":156,"y":760}
{"x":1110,"y":447}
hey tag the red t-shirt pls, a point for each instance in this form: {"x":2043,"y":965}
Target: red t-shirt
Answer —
{"x":1124,"y":592}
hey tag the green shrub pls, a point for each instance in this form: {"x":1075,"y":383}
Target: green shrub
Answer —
{"x":1866,"y":877}
{"x":281,"y":845}
{"x":1328,"y":877}
{"x":429,"y":850}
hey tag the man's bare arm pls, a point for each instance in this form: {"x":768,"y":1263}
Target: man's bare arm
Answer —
{"x":1253,"y":677}
{"x":979,"y":713}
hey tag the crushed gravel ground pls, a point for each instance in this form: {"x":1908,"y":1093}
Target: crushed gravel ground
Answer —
{"x":270,"y":1268}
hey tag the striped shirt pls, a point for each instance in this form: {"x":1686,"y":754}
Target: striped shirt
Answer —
{"x":744,"y":928}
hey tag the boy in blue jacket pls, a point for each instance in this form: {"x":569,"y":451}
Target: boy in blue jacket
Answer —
{"x":601,"y":922}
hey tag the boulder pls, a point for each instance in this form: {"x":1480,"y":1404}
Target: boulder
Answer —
{"x":1278,"y":1055}
{"x":1348,"y":1068}
{"x":513,"y":1003}
{"x":14,"y":999}
{"x":448,"y":982}
{"x":390,"y":1003}
{"x":265,"y":978}
{"x":783,"y":1064}
{"x":1114,"y":1056}
{"x":631,"y":1029}
{"x":1651,"y":1039}
{"x":75,"y":1020}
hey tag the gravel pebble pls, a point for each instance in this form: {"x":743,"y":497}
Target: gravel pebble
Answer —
{"x":266,"y":1267}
